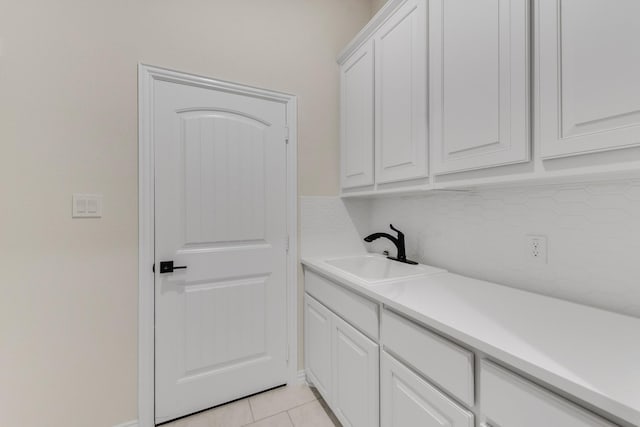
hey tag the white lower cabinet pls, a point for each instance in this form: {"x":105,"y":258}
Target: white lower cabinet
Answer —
{"x":342,"y":363}
{"x":355,"y":376}
{"x":444,"y":363}
{"x":508,"y":400}
{"x":407,"y":400}
{"x":417,"y":378}
{"x":317,"y":345}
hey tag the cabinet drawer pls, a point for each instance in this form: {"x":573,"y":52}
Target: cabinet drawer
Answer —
{"x":358,"y":311}
{"x":440,"y":360}
{"x":509,"y":400}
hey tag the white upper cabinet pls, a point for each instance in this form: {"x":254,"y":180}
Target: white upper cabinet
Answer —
{"x":431,"y":88}
{"x":356,"y":126}
{"x":589,"y":75}
{"x":401,"y":94}
{"x":478,"y":83}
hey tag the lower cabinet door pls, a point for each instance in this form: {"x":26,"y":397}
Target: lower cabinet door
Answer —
{"x":355,"y":377}
{"x":409,"y":401}
{"x":317,"y":345}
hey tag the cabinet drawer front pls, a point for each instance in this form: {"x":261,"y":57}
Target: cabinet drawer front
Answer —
{"x":360,"y":312}
{"x":408,"y":400}
{"x":444,"y":363}
{"x":509,"y":400}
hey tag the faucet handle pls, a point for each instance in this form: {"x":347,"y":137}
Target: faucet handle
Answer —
{"x":400,"y":233}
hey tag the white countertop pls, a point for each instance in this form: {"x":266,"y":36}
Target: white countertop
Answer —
{"x":589,"y":353}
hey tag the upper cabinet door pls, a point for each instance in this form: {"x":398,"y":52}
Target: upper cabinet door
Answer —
{"x":356,"y":83}
{"x":479,"y":83}
{"x":401,"y":94}
{"x":589,"y":75}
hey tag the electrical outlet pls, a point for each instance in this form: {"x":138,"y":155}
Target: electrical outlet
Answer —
{"x":537,"y":248}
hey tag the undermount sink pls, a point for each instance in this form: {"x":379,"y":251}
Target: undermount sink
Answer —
{"x":376,"y":268}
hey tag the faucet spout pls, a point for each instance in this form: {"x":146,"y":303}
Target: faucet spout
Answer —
{"x":397,"y":241}
{"x":375,"y":236}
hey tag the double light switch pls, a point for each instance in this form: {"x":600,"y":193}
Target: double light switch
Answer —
{"x":87,"y":206}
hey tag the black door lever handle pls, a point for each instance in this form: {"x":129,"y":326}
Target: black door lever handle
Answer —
{"x":168,"y":267}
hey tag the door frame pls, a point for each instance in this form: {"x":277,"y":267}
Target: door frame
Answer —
{"x":147,"y":74}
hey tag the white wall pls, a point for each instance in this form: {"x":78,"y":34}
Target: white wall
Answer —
{"x":593,"y":233}
{"x":329,"y":228}
{"x":68,"y":123}
{"x":377,"y":5}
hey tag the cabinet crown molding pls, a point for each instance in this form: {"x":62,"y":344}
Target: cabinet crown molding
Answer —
{"x":383,"y":14}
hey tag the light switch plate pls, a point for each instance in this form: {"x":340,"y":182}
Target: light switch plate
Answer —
{"x":87,"y":206}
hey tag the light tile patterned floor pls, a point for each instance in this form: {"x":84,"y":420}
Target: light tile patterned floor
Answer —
{"x":290,"y":406}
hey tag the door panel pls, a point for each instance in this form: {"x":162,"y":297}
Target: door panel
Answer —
{"x":220,"y":192}
{"x":407,"y":400}
{"x":355,"y":376}
{"x":356,"y":82}
{"x":589,"y":67}
{"x":210,"y":309}
{"x":479,"y":91}
{"x":224,"y":177}
{"x":401,"y":95}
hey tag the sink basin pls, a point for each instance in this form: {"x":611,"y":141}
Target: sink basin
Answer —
{"x":376,"y":268}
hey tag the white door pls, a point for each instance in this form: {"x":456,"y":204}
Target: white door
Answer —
{"x":479,"y":85}
{"x":220,"y":193}
{"x":409,"y":401}
{"x":401,"y":94}
{"x":356,"y":121}
{"x":317,"y":345}
{"x":589,"y":75}
{"x":355,"y":376}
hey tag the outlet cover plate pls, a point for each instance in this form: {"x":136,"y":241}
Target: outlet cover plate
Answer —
{"x":536,"y":248}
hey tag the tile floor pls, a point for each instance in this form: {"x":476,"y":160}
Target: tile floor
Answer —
{"x":290,"y":406}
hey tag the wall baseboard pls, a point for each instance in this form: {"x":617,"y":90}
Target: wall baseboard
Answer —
{"x":133,"y":423}
{"x":301,"y":377}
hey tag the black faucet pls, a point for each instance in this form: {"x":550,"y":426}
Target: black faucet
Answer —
{"x":398,"y":241}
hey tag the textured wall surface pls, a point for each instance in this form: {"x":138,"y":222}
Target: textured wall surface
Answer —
{"x":593,"y":233}
{"x":327,"y":228}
